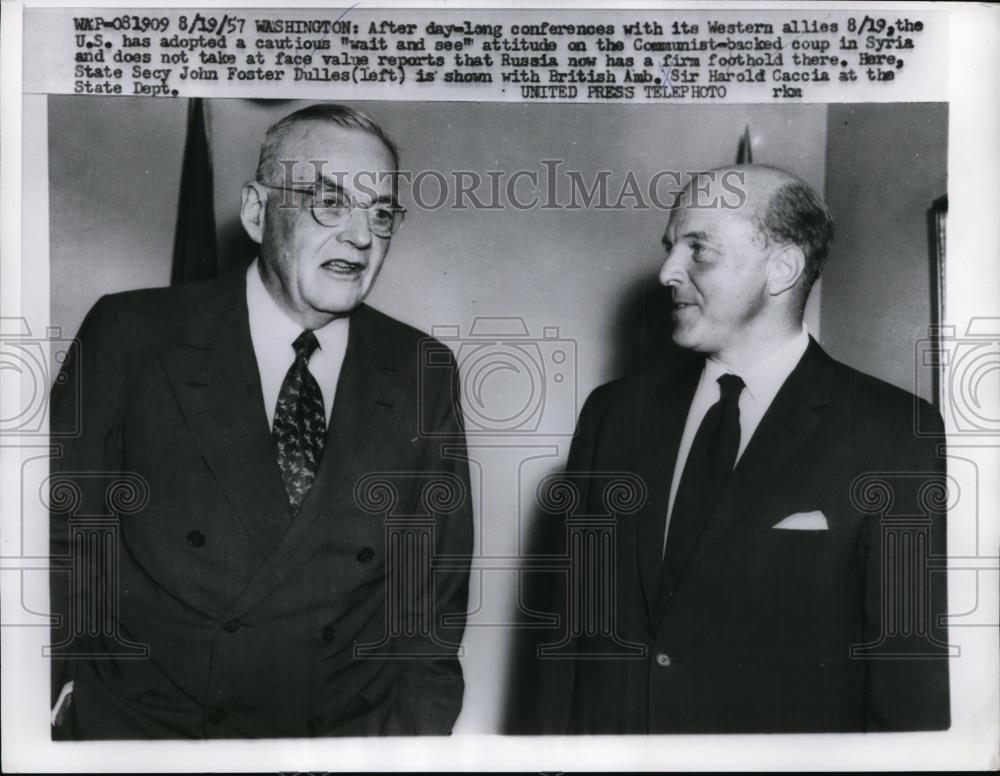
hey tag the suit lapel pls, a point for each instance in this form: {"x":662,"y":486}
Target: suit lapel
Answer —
{"x":792,"y":417}
{"x":366,"y":411}
{"x":660,"y":432}
{"x":215,"y":378}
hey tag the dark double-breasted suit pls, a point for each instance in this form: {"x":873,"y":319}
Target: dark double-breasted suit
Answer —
{"x":768,"y":629}
{"x":212,"y":612}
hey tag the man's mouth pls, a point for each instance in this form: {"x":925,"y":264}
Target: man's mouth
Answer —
{"x":343,"y":267}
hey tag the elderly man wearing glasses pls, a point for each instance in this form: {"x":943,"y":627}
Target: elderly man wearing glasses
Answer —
{"x":269,"y":421}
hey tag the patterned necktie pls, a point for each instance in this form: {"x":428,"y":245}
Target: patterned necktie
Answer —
{"x":709,"y":464}
{"x":299,"y":423}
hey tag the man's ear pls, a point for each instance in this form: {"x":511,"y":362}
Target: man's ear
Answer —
{"x":252,"y":210}
{"x":785,"y":267}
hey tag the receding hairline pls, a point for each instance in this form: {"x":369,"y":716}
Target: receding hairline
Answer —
{"x":762,"y":182}
{"x":301,"y":129}
{"x":336,"y":116}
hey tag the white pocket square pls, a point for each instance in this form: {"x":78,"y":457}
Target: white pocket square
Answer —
{"x":803,"y":521}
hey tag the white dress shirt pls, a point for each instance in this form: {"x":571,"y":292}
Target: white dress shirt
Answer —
{"x":762,"y":382}
{"x":273,"y":332}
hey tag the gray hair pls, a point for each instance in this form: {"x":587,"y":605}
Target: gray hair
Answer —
{"x":340,"y":115}
{"x":796,"y":215}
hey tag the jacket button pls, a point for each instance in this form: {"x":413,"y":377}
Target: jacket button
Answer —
{"x":216,"y":715}
{"x":365,"y":554}
{"x":232,"y":626}
{"x":313,"y":724}
{"x":195,"y":538}
{"x":663,"y":659}
{"x":328,"y":633}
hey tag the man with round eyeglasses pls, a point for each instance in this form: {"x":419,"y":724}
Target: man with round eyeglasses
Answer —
{"x":332,"y":208}
{"x":259,"y":586}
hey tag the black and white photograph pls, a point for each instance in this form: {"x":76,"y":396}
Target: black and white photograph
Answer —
{"x":352,"y":429}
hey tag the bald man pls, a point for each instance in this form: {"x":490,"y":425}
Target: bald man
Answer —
{"x":778,"y":576}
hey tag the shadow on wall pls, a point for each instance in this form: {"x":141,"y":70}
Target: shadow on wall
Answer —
{"x":539,"y":691}
{"x":235,"y":246}
{"x":642,"y":338}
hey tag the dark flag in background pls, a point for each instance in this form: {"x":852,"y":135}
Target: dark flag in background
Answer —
{"x":195,"y":253}
{"x":744,"y":154}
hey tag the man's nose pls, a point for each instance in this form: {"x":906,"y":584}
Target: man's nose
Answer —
{"x":672,"y":272}
{"x":355,"y":229}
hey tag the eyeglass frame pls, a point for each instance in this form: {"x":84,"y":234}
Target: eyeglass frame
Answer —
{"x":395,"y":207}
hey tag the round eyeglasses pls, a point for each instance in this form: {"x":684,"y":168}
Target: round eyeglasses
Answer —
{"x":332,"y":208}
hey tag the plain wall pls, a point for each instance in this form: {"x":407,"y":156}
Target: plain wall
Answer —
{"x":114,"y":180}
{"x":589,"y":273}
{"x":885,"y":165}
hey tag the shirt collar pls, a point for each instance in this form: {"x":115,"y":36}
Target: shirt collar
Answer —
{"x":764,"y":379}
{"x":274,"y":323}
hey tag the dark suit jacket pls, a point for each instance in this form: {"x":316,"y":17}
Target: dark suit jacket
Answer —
{"x":252,"y":623}
{"x":756,"y":634}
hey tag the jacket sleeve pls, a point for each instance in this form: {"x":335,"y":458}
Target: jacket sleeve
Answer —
{"x":581,"y":461}
{"x":905,"y":599}
{"x":584,"y":445}
{"x":430,"y":687}
{"x":540,"y":688}
{"x":84,"y":418}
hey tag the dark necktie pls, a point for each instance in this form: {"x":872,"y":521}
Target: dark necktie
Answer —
{"x":299,"y":423}
{"x":709,"y":464}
